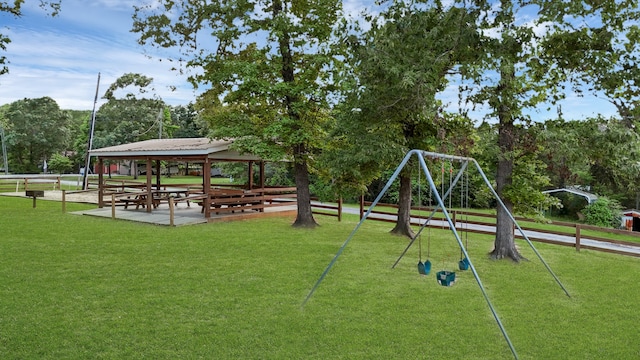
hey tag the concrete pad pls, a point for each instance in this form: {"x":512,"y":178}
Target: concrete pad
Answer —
{"x":182,"y":216}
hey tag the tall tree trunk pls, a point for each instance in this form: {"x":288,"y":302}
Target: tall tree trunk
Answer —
{"x":504,"y":245}
{"x":305,"y":214}
{"x":403,"y":225}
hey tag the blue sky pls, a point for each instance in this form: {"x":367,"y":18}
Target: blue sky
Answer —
{"x":61,"y":57}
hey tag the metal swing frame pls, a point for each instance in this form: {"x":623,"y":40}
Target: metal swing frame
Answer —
{"x":421,"y":155}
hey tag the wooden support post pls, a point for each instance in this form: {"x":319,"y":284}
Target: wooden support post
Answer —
{"x":361,"y":206}
{"x":340,"y":208}
{"x":113,"y":206}
{"x":64,"y":201}
{"x":149,"y":187}
{"x":577,"y":237}
{"x":206,"y":187}
{"x":171,"y":214}
{"x":250,"y":182}
{"x":101,"y":187}
{"x":158,"y":174}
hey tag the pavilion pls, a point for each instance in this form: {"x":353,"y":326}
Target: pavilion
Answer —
{"x":202,"y":151}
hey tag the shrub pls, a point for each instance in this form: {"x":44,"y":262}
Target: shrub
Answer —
{"x":60,"y":164}
{"x":603,"y":212}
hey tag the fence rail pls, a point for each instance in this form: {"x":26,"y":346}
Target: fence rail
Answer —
{"x":388,"y":212}
{"x":24,"y":183}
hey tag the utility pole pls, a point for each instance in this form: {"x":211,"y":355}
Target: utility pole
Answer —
{"x":4,"y":151}
{"x":160,"y":122}
{"x":85,"y":183}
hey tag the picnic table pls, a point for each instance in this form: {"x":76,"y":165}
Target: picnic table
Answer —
{"x":162,"y":195}
{"x":158,"y":196}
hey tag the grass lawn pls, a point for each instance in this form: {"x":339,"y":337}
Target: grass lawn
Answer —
{"x":76,"y":287}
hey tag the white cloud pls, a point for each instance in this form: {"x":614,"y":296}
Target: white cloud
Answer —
{"x":61,"y":57}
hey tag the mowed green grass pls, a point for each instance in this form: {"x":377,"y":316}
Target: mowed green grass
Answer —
{"x":77,"y":287}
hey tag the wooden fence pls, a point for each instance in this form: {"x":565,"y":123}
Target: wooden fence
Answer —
{"x":24,"y":183}
{"x":327,"y":209}
{"x":459,"y":217}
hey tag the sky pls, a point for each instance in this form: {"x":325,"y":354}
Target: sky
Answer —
{"x":61,"y":57}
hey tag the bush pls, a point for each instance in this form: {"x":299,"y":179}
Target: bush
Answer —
{"x":60,"y":164}
{"x":603,"y":212}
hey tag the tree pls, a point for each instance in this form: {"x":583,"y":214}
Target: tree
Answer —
{"x":563,"y":148}
{"x":129,"y":117}
{"x":133,"y":112}
{"x":397,"y":68}
{"x":15,"y":9}
{"x":188,"y":122}
{"x":268,"y":73}
{"x":37,"y":128}
{"x":529,"y":174}
{"x":603,"y":57}
{"x":515,"y":73}
{"x":78,"y":138}
{"x":613,"y":163}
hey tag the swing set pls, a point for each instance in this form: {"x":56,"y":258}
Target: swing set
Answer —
{"x":444,"y":277}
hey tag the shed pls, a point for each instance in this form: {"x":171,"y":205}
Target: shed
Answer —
{"x":587,"y":195}
{"x":631,"y":220}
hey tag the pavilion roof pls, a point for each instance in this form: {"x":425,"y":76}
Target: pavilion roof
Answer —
{"x":175,"y":149}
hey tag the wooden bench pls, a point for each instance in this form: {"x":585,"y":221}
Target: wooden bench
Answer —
{"x":232,"y":200}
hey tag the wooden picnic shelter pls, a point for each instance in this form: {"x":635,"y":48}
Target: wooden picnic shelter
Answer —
{"x":202,"y":151}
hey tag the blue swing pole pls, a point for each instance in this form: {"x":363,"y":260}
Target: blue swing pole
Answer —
{"x":464,"y":250}
{"x":421,"y":154}
{"x":353,"y":232}
{"x":495,"y":194}
{"x":522,"y":231}
{"x":435,"y":209}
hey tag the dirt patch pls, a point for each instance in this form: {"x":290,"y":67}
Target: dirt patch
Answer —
{"x":90,"y":197}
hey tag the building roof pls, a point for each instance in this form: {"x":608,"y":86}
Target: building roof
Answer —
{"x":587,"y":195}
{"x":175,"y":149}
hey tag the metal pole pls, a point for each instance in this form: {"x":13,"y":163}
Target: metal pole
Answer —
{"x":353,"y":232}
{"x":500,"y":203}
{"x":85,"y":184}
{"x":464,"y":251}
{"x":160,"y":122}
{"x":435,"y":209}
{"x":4,"y":151}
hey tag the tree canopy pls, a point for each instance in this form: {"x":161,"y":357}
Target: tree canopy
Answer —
{"x":397,"y":69}
{"x":36,"y":129}
{"x":132,"y":112}
{"x":518,"y":70}
{"x":267,"y":66}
